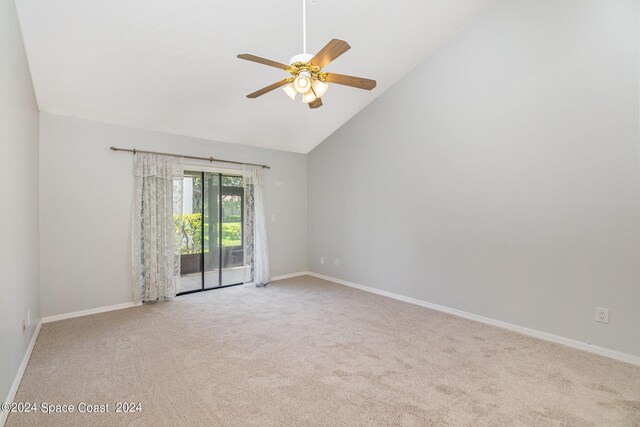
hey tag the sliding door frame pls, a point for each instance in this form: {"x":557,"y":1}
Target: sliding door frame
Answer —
{"x":219,"y":172}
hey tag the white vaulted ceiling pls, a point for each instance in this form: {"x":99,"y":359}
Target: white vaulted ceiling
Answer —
{"x":170,"y":65}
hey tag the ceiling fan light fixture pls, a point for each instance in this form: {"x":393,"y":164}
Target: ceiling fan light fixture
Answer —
{"x":319,"y":87}
{"x":309,"y":96}
{"x":302,"y":83}
{"x":290,"y":90}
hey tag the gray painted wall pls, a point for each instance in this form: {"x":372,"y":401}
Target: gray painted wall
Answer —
{"x":501,"y":176}
{"x":86,"y":192}
{"x":19,"y":281}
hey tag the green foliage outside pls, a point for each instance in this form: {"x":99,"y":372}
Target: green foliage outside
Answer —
{"x":231,"y":234}
{"x":232,"y":181}
{"x":189,"y":235}
{"x":187,"y":232}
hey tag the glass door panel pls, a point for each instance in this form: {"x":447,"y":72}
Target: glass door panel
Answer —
{"x":211,"y":230}
{"x":188,"y":230}
{"x":233,"y":270}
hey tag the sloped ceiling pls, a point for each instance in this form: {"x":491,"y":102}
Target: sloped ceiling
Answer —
{"x":171,"y":66}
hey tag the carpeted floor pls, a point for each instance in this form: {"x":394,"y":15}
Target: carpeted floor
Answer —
{"x":308,"y":352}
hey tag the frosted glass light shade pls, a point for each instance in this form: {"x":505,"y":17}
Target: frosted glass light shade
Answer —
{"x":309,"y":97}
{"x":320,"y":88}
{"x":302,"y":83}
{"x":290,"y":90}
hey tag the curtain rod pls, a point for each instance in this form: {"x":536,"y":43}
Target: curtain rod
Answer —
{"x":211,"y":159}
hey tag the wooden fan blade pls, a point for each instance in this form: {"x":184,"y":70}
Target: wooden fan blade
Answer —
{"x":268,"y":88}
{"x":316,"y":104}
{"x":331,"y":51}
{"x":264,"y":61}
{"x":357,"y":82}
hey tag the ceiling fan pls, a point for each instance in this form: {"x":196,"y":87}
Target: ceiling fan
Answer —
{"x":306,"y":72}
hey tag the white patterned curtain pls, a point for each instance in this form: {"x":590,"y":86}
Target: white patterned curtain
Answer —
{"x":156,"y":257}
{"x":255,"y":227}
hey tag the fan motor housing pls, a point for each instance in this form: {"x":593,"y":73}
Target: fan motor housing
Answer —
{"x":302,"y":57}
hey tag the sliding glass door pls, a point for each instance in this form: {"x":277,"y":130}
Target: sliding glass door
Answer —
{"x":209,"y":231}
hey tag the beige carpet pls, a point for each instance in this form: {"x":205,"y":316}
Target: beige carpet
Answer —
{"x":307,"y":352}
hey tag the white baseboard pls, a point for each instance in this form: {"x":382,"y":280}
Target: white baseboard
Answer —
{"x":284,"y":276}
{"x":88,"y":312}
{"x":580,"y":345}
{"x":20,"y":373}
{"x":289,"y":276}
{"x":97,"y":310}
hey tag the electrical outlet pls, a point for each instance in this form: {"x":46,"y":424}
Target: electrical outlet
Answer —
{"x":322,"y":260}
{"x":602,"y":315}
{"x":336,"y":262}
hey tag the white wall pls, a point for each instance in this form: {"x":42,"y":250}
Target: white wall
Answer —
{"x":19,"y":274}
{"x":86,"y":192}
{"x":501,"y":176}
